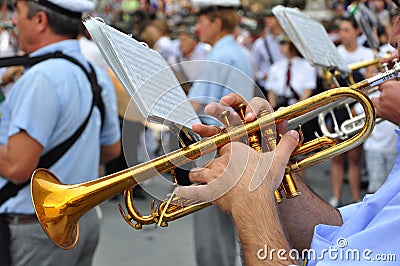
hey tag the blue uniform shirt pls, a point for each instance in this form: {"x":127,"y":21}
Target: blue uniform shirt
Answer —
{"x":227,"y":69}
{"x":50,"y":101}
{"x":369,"y":234}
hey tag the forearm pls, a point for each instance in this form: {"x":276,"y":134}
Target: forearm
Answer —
{"x":261,"y":234}
{"x":19,"y":158}
{"x":301,"y":214}
{"x":10,"y":168}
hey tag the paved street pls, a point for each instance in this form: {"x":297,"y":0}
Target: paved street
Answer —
{"x":122,"y":245}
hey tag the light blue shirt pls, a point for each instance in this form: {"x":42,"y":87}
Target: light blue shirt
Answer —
{"x":369,"y":230}
{"x":227,"y":70}
{"x":50,"y":101}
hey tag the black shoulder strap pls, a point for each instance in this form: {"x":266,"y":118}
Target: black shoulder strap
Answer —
{"x":52,"y":156}
{"x":27,"y":60}
{"x":271,"y":60}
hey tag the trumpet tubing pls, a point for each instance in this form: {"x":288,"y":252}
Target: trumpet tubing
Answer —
{"x":329,"y":76}
{"x":352,"y":125}
{"x":59,"y":207}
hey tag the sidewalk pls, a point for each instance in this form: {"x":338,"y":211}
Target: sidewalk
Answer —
{"x":122,"y":245}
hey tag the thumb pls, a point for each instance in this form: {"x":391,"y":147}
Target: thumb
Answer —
{"x":285,"y":147}
{"x":194,"y":192}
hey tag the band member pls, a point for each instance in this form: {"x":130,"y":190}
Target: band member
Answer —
{"x":352,"y":52}
{"x":227,"y":67}
{"x":46,"y":106}
{"x":265,"y":49}
{"x":305,"y":223}
{"x":291,"y":79}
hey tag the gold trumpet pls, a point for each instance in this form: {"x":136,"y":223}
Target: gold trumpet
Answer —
{"x":59,"y":207}
{"x":329,"y":76}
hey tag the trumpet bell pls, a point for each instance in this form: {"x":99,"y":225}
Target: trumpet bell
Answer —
{"x":59,"y":223}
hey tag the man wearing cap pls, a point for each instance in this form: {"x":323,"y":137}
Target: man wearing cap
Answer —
{"x":265,"y":49}
{"x":189,"y":50}
{"x":232,"y":71}
{"x":47,"y":105}
{"x":227,"y":69}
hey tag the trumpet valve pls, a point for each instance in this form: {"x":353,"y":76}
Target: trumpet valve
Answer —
{"x":241,"y":110}
{"x":225,"y":116}
{"x":385,"y":67}
{"x":268,"y":133}
{"x":278,"y":194}
{"x":289,"y":186}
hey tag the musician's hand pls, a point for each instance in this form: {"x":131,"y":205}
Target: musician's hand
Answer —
{"x":390,"y":57}
{"x":240,"y":175}
{"x":227,"y":103}
{"x":387,"y":105}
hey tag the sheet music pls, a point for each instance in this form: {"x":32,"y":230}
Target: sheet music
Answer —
{"x":145,"y":75}
{"x":310,"y":38}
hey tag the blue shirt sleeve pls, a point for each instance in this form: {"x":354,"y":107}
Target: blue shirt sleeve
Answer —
{"x":367,"y":235}
{"x":36,"y":90}
{"x":348,"y":211}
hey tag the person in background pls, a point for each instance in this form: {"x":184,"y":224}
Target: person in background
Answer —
{"x":380,"y":153}
{"x":227,"y":67}
{"x":292,"y":79}
{"x":265,"y":50}
{"x":8,"y":77}
{"x":8,"y":48}
{"x":156,"y":36}
{"x":380,"y":147}
{"x":90,"y":50}
{"x":47,"y":105}
{"x":132,"y":127}
{"x":189,"y":50}
{"x":351,"y":52}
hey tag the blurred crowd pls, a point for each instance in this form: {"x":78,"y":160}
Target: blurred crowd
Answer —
{"x":170,"y":28}
{"x":256,"y":45}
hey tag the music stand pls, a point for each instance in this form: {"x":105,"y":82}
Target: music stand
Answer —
{"x":311,"y":39}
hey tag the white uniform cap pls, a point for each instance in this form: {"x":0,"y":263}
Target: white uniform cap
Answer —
{"x":69,"y":7}
{"x":227,"y":3}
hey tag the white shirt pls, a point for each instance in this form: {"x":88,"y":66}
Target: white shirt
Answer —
{"x":303,"y":76}
{"x":92,"y":53}
{"x":190,"y":65}
{"x":383,"y":138}
{"x":162,"y":46}
{"x":360,"y":54}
